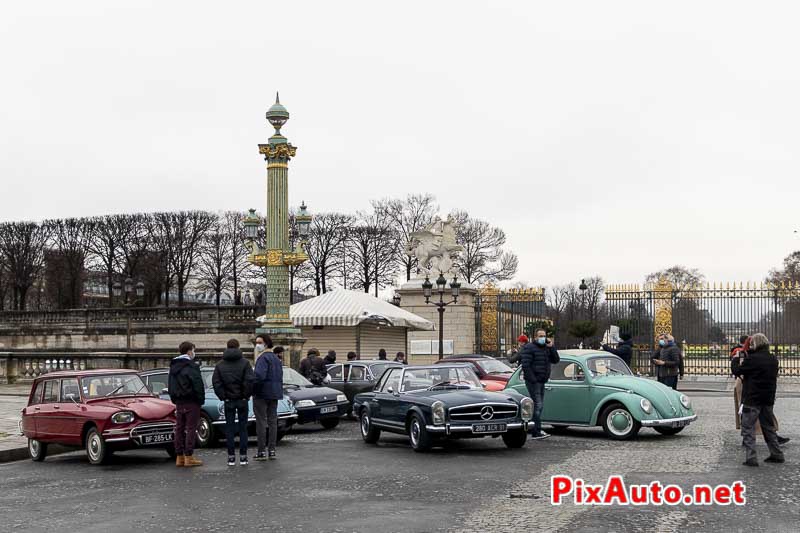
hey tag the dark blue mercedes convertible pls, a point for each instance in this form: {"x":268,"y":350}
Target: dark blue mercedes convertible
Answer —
{"x":438,"y":402}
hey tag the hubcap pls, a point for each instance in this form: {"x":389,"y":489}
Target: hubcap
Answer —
{"x":414,"y":432}
{"x":364,"y":425}
{"x":34,"y":447}
{"x":620,"y":422}
{"x":94,"y":446}
{"x":203,"y":430}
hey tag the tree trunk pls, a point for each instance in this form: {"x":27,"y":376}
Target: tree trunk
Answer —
{"x":181,"y":286}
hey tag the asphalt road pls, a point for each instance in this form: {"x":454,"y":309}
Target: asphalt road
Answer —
{"x":331,"y":481}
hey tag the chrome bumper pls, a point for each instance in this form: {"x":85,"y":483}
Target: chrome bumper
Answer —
{"x":136,"y":433}
{"x":221,"y":421}
{"x":455,"y":428}
{"x":670,"y":422}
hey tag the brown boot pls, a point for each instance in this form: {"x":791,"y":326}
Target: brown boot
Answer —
{"x":180,"y":460}
{"x":191,"y":460}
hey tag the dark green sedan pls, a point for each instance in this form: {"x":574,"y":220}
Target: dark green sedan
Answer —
{"x":445,"y":401}
{"x":592,"y":388}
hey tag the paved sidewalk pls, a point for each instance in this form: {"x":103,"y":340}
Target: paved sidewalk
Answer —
{"x":13,"y":446}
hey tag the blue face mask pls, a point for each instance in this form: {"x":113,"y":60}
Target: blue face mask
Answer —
{"x":541,"y":341}
{"x":662,"y":342}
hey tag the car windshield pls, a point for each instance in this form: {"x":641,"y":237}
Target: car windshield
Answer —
{"x":114,"y":385}
{"x":440,"y":376}
{"x":493,"y":366}
{"x":608,"y":366}
{"x":292,"y":377}
{"x":207,"y":374}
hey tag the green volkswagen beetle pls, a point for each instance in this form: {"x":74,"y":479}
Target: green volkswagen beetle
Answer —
{"x":592,"y":388}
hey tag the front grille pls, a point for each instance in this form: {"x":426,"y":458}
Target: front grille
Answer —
{"x":329,"y":401}
{"x":498,"y":411}
{"x":152,"y":429}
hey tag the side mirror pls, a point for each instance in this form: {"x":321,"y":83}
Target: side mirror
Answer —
{"x":164,"y":391}
{"x":483,"y":385}
{"x":390,"y":390}
{"x":72,"y":398}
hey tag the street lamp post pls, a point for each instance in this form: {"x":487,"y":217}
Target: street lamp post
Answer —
{"x":427,"y":291}
{"x":128,"y":303}
{"x":278,"y":255}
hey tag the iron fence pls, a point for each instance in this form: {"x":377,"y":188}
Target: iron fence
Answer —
{"x":500,"y":316}
{"x":707,"y":321}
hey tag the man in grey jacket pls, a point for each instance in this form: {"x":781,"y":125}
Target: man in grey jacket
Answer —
{"x":667,"y":359}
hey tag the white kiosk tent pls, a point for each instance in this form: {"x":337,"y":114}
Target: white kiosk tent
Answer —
{"x":344,"y":320}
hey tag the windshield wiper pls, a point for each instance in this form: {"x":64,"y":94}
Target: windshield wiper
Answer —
{"x":441,"y":384}
{"x":291,"y":385}
{"x":499,"y":372}
{"x":614,"y":370}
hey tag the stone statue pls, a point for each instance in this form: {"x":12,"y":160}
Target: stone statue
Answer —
{"x":435,"y":248}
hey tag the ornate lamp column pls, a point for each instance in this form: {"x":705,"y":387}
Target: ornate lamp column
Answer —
{"x":276,"y":255}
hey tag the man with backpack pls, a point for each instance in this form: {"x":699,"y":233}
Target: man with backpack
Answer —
{"x":187,"y":392}
{"x":233,"y":384}
{"x":313,"y":367}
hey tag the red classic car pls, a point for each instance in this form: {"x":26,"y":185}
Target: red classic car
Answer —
{"x":100,"y":410}
{"x":493,"y":373}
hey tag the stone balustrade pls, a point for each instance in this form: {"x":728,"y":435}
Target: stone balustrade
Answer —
{"x":25,"y":367}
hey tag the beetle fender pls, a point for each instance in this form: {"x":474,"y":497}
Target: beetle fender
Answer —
{"x":630,"y":401}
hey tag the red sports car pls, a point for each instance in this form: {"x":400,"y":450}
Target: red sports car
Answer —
{"x":100,"y":410}
{"x":493,"y":373}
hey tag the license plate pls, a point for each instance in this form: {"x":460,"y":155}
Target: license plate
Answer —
{"x":157,"y":439}
{"x":680,"y":423}
{"x":331,"y":409}
{"x":488,"y":428}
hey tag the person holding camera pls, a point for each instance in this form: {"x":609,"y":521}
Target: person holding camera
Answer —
{"x":535,"y":358}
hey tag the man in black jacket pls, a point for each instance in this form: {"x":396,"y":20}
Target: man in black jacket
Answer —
{"x":668,"y":360}
{"x":759,"y":372}
{"x":535,"y":359}
{"x":187,"y":392}
{"x":313,"y":367}
{"x":233,"y":383}
{"x":624,"y":349}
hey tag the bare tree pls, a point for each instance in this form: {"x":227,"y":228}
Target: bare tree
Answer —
{"x":22,"y":246}
{"x":412,"y":214}
{"x":215,"y":261}
{"x":70,"y":241}
{"x":326,"y":240}
{"x":108,"y":232}
{"x":483,"y":259}
{"x":682,"y":278}
{"x":373,"y":246}
{"x":182,"y":232}
{"x":790,"y":273}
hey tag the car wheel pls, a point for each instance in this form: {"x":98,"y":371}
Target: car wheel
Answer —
{"x":96,"y":447}
{"x":205,"y":432}
{"x":619,"y":423}
{"x":369,"y":433}
{"x":37,"y":450}
{"x":515,"y":439}
{"x":669,"y":431}
{"x":329,"y":423}
{"x":421,"y":440}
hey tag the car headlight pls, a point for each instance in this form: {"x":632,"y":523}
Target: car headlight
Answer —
{"x":221,"y":409}
{"x":646,"y":406}
{"x":305,"y":403}
{"x":686,"y":402}
{"x":123,"y":417}
{"x":341,"y":398}
{"x":437,"y":409}
{"x":526,"y":409}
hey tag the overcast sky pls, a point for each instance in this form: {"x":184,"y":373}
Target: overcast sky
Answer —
{"x":608,"y":138}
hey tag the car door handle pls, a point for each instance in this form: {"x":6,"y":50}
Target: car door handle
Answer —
{"x":35,"y":408}
{"x":548,"y":388}
{"x":56,"y":407}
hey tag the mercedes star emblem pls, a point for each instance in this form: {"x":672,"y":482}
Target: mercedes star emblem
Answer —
{"x":487,"y":412}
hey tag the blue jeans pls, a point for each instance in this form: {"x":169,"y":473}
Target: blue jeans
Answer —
{"x":236,"y":409}
{"x":536,"y":392}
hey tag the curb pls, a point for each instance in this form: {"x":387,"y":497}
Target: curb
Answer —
{"x":18,"y":454}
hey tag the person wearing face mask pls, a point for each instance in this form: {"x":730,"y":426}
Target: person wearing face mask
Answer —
{"x":266,"y":393}
{"x":188,"y":393}
{"x":667,"y":359}
{"x":535,"y":358}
